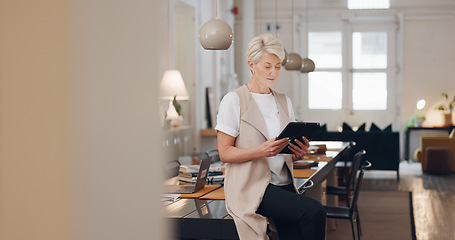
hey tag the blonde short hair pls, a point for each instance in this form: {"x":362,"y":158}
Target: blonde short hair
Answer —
{"x":264,"y":43}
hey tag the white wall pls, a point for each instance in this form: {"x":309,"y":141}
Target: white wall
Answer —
{"x":428,"y":62}
{"x":120,"y":57}
{"x":80,"y":144}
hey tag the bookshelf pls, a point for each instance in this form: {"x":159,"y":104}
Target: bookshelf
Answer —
{"x":208,"y":132}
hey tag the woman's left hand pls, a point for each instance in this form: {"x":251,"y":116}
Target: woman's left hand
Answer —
{"x":299,"y":150}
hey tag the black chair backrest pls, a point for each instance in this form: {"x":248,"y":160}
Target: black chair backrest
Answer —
{"x":365,"y":164}
{"x":347,"y":153}
{"x":346,"y":157}
{"x":355,"y":167}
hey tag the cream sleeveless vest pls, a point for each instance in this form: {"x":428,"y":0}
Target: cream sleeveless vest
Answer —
{"x":245,"y":183}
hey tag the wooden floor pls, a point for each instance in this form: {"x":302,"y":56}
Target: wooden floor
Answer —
{"x":433,"y":198}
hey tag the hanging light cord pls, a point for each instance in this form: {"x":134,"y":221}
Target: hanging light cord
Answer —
{"x":276,"y":18}
{"x":293,"y":26}
{"x":306,"y":26}
{"x":216,"y":9}
{"x":260,"y":16}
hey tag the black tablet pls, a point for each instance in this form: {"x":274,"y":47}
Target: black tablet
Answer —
{"x":296,"y":130}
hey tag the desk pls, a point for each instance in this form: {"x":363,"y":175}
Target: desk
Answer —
{"x":208,"y":219}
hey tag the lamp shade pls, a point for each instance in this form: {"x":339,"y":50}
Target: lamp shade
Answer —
{"x":307,"y":65}
{"x":216,"y":34}
{"x":294,"y":62}
{"x":172,"y":85}
{"x":421,"y":104}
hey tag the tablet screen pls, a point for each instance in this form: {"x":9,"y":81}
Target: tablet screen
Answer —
{"x":296,"y":130}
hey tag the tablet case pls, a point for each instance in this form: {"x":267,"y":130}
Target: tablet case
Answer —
{"x":296,"y":130}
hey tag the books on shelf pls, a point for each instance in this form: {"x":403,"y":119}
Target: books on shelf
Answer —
{"x":188,"y":173}
{"x":213,"y":176}
{"x":210,"y":179}
{"x":195,"y":168}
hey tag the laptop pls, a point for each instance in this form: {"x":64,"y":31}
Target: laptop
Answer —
{"x":200,"y":180}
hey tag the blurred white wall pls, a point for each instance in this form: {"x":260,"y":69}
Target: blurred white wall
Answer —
{"x":79,"y":153}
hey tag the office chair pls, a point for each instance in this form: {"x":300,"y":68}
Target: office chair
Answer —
{"x":350,"y":213}
{"x":345,"y":160}
{"x":347,"y":190}
{"x":349,"y":186}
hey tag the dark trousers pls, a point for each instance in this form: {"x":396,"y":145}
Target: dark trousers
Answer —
{"x":295,"y":216}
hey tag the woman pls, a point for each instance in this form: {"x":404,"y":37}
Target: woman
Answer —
{"x":259,"y":182}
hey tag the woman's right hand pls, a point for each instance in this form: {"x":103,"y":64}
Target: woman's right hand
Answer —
{"x":272,"y":147}
{"x":231,"y":154}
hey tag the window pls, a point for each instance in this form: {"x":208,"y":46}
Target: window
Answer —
{"x":325,"y":90}
{"x":325,"y":87}
{"x":369,"y":50}
{"x":369,"y":91}
{"x":369,"y":62}
{"x":368,"y":79}
{"x":325,"y":49}
{"x":368,"y":4}
{"x":355,"y":79}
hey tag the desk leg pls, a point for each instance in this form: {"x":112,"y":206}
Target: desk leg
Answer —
{"x":332,"y":200}
{"x":406,"y":144}
{"x":317,"y":192}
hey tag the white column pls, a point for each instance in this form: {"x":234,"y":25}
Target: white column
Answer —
{"x":120,"y":56}
{"x":248,"y":32}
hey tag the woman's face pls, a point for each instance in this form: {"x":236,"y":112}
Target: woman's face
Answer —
{"x":267,"y":70}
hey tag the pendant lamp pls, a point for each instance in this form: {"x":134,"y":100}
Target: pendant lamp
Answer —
{"x":307,"y":66}
{"x":216,"y":34}
{"x":294,"y":62}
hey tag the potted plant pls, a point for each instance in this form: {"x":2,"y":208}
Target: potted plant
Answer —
{"x":418,"y":120}
{"x":177,"y":120}
{"x":447,"y":109}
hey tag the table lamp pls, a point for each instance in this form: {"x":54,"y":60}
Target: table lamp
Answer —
{"x":172,"y":87}
{"x":419,"y":116}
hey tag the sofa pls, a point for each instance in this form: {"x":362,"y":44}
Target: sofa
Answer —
{"x":439,"y":141}
{"x":382,"y":146}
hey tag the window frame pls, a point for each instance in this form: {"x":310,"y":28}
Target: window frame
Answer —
{"x":347,"y":114}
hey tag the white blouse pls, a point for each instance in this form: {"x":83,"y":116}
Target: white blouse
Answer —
{"x":228,"y":121}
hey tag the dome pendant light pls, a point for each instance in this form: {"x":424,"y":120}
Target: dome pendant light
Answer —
{"x":294,"y":62}
{"x":307,"y":66}
{"x":216,"y":34}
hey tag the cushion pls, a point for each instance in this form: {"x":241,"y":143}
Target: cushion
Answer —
{"x":437,"y":160}
{"x":347,"y":128}
{"x":374,"y":128}
{"x":388,"y":128}
{"x":361,"y":128}
{"x":323,"y":128}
